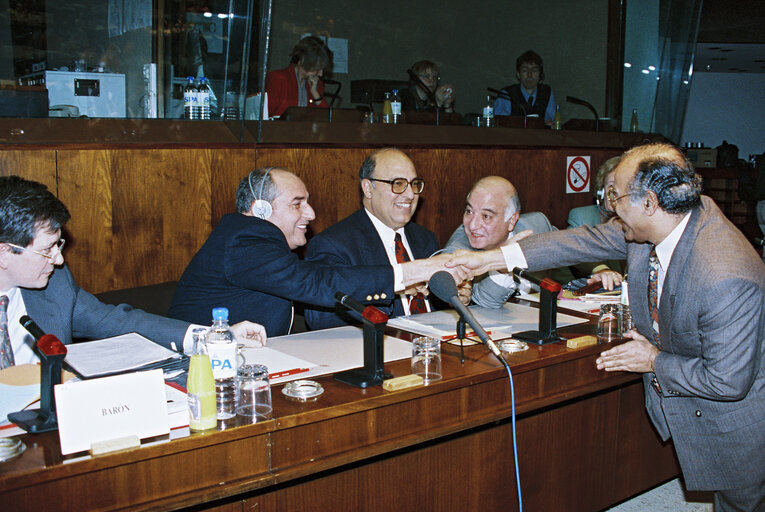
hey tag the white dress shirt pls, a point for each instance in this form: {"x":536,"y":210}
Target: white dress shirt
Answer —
{"x":21,"y":341}
{"x":387,"y":236}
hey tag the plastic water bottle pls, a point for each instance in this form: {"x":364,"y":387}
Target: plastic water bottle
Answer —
{"x":189,"y":99}
{"x":201,"y":385}
{"x":222,"y":350}
{"x":395,"y":107}
{"x":204,"y":99}
{"x":488,"y":113}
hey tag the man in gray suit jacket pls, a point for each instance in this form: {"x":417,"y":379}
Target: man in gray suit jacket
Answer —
{"x":34,"y":281}
{"x":492,"y":216}
{"x":697,"y":292}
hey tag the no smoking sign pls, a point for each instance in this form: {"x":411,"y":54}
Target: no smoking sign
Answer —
{"x":577,"y":174}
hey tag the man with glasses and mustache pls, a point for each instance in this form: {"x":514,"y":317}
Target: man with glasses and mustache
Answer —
{"x":35,"y":281}
{"x":380,"y":233}
{"x":697,"y":297}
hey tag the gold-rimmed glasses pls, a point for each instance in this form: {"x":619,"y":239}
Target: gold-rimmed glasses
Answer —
{"x":399,"y":185}
{"x":612,"y":197}
{"x":48,"y":253}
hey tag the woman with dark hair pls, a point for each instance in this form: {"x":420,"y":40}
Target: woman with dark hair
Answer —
{"x":299,"y":83}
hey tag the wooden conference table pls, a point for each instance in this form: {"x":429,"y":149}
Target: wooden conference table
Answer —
{"x":584,"y":443}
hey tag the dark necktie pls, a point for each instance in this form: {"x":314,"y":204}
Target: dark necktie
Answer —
{"x":6,"y":350}
{"x":653,"y":294}
{"x":531,"y":100}
{"x":416,"y":302}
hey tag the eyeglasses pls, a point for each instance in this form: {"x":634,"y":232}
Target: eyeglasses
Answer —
{"x":613,"y":197}
{"x":48,"y":253}
{"x":398,"y":185}
{"x":429,"y":77}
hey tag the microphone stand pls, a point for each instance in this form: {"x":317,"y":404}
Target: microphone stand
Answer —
{"x":52,"y":353}
{"x":431,"y":95}
{"x":504,"y":95}
{"x":372,"y":373}
{"x":578,"y":101}
{"x":332,"y":95}
{"x":461,"y":325}
{"x":548,"y":310}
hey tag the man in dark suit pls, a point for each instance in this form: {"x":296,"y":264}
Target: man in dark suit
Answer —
{"x":697,"y":295}
{"x":34,"y":281}
{"x":247,"y":263}
{"x":391,"y":190}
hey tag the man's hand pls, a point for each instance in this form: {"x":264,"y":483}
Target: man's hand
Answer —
{"x":445,"y":95}
{"x":476,"y":262}
{"x":607,"y":277}
{"x":252,"y":335}
{"x":518,"y":237}
{"x":637,"y":355}
{"x":418,"y":288}
{"x":465,"y":291}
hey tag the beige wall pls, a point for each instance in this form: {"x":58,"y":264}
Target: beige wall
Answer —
{"x":475,"y":43}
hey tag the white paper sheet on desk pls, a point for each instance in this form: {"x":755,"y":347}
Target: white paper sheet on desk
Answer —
{"x":329,"y":351}
{"x":501,"y":322}
{"x":116,"y":354}
{"x":583,"y":306}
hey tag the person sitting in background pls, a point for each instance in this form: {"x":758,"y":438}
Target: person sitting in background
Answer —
{"x":528,"y":96}
{"x":600,"y":212}
{"x":299,"y":84}
{"x":595,"y":214}
{"x":35,"y":281}
{"x":418,"y":98}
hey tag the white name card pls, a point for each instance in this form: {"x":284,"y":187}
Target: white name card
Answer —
{"x":98,"y":410}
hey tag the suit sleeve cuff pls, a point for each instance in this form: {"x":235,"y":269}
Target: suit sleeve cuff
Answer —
{"x":514,"y":256}
{"x":398,"y":278}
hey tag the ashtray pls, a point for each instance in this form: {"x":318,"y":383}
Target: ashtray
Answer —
{"x":510,"y":345}
{"x":302,"y":390}
{"x":10,"y":448}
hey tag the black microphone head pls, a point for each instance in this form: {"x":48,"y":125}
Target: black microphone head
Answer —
{"x":443,"y":286}
{"x":339,"y":296}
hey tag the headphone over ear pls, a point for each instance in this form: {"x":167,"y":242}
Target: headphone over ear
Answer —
{"x":262,"y":209}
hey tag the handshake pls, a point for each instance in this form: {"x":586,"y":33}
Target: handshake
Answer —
{"x":462,"y":264}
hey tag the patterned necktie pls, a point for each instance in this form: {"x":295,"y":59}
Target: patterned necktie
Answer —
{"x":653,"y":294}
{"x":6,"y":350}
{"x":416,"y":302}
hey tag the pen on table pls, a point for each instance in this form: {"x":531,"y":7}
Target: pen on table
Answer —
{"x":287,"y":373}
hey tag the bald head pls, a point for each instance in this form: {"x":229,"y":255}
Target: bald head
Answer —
{"x":385,"y":165}
{"x":491,"y":211}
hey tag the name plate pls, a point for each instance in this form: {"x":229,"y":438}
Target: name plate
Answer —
{"x":99,"y":410}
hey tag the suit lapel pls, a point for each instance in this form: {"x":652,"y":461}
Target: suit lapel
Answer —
{"x":371,"y":247}
{"x":638,"y":287}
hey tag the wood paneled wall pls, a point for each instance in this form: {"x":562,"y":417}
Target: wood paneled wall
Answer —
{"x":140,"y":214}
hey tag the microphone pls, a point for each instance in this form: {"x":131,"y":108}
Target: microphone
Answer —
{"x":546,"y":283}
{"x":759,"y":242}
{"x":443,"y":286}
{"x":431,"y":94}
{"x":506,"y":96}
{"x":330,"y":81}
{"x":370,"y":313}
{"x":48,"y":344}
{"x":587,"y":104}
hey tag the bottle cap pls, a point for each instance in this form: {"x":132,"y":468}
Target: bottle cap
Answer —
{"x":220,"y":313}
{"x":395,"y":91}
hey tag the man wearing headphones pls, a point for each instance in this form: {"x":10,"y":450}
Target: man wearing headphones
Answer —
{"x":247,"y":263}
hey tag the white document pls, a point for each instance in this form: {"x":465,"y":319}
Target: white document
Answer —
{"x":500,"y":322}
{"x":96,"y":410}
{"x":328,"y":351}
{"x":117,"y":354}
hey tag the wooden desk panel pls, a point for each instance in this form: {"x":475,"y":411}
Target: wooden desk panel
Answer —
{"x":579,"y":430}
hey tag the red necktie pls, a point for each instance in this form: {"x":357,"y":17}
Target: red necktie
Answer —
{"x":653,"y":294}
{"x":416,"y":302}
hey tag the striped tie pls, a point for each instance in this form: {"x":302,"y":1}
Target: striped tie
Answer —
{"x":6,"y":350}
{"x":653,"y":294}
{"x":417,"y":301}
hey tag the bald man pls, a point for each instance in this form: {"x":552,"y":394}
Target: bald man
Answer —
{"x":390,"y":190}
{"x":697,"y":294}
{"x":493,"y":215}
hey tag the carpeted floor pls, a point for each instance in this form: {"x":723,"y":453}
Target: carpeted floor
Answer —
{"x":669,"y":497}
